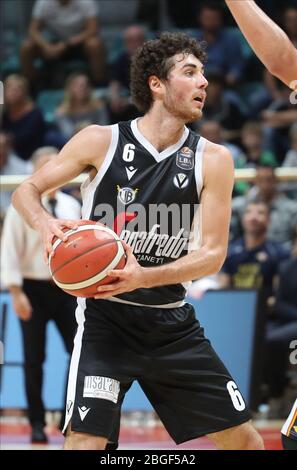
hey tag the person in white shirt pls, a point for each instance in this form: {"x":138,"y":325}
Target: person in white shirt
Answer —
{"x":10,"y":164}
{"x":64,"y":29}
{"x":36,"y":299}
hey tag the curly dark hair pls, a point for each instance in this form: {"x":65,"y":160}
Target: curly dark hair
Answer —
{"x":155,"y":58}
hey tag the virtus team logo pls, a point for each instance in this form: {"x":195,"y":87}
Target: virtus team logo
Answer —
{"x":181,"y":180}
{"x":126,"y":195}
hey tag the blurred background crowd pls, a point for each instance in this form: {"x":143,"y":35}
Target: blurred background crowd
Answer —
{"x":65,"y":65}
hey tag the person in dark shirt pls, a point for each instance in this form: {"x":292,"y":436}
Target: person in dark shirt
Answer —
{"x":24,"y":120}
{"x":121,"y":107}
{"x":224,"y":51}
{"x":21,"y":117}
{"x":253,"y":261}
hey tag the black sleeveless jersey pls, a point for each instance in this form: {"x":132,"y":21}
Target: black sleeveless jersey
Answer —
{"x":151,"y":200}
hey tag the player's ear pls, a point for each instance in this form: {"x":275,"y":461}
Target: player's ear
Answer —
{"x":155,"y":83}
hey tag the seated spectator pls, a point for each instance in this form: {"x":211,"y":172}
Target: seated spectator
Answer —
{"x":121,"y":107}
{"x":224,"y":51}
{"x":252,"y":141}
{"x":79,"y":108}
{"x":64,"y":29}
{"x":283,"y":211}
{"x":220,"y":107}
{"x":253,"y":153}
{"x":290,"y":161}
{"x":21,"y":117}
{"x":291,"y":156}
{"x":278,"y":118}
{"x":212,"y":130}
{"x":253,"y":260}
{"x":281,"y":330}
{"x":10,"y":164}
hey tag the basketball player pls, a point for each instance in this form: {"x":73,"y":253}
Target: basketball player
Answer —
{"x":140,"y":328}
{"x":278,"y":54}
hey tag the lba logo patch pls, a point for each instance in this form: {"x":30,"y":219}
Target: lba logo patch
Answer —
{"x":181,"y":180}
{"x":126,"y":195}
{"x":185,"y":159}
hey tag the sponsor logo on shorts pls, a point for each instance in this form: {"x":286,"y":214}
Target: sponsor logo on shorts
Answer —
{"x":83,"y":411}
{"x":101,"y":387}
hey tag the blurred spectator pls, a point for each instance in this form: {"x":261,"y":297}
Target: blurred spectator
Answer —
{"x":21,"y":117}
{"x":64,"y":29}
{"x":224,"y":51}
{"x":36,"y":299}
{"x":148,"y":13}
{"x":291,"y":157}
{"x":212,"y":130}
{"x":253,"y":261}
{"x":290,"y":161}
{"x":80,"y":107}
{"x":281,"y":330}
{"x":10,"y":164}
{"x":283,"y":211}
{"x":272,"y":91}
{"x":221,"y":107}
{"x":253,"y":153}
{"x":182,"y":17}
{"x":120,"y":104}
{"x":252,"y":141}
{"x":278,"y":118}
{"x":289,"y":22}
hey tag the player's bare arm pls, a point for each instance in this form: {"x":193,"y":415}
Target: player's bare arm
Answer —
{"x":209,"y":258}
{"x":86,"y":149}
{"x":269,"y":42}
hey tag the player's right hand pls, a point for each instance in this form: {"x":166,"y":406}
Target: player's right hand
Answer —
{"x":52,"y":227}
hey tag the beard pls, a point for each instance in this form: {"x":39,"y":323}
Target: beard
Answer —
{"x":173,"y":106}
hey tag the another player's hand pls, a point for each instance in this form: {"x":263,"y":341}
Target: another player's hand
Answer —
{"x":128,"y":279}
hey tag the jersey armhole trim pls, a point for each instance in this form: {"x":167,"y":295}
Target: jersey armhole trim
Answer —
{"x":88,"y":189}
{"x":199,"y":165}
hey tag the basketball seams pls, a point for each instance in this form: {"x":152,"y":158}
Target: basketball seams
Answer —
{"x":82,"y":254}
{"x":98,"y":277}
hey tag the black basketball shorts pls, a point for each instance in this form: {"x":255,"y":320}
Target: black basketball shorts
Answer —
{"x":166,"y":352}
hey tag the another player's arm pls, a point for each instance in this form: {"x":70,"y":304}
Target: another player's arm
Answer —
{"x":209,"y":258}
{"x":269,"y":42}
{"x":87,"y":148}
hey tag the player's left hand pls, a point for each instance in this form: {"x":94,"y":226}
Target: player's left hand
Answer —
{"x":128,"y":279}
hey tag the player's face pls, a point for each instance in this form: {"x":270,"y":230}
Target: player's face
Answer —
{"x":185,"y":89}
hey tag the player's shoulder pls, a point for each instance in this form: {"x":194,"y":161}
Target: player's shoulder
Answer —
{"x":95,"y":132}
{"x":218,"y":161}
{"x":217,"y":153}
{"x":94,"y":138}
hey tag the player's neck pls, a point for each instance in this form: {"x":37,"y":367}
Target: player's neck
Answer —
{"x":161,"y":129}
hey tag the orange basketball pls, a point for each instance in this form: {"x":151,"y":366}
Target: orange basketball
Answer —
{"x":80,"y":264}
